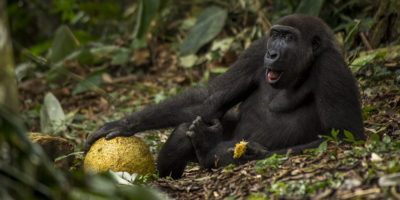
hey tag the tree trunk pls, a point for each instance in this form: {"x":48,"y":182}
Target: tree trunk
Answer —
{"x":8,"y":84}
{"x":387,"y":23}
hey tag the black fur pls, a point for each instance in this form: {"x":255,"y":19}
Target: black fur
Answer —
{"x":292,"y":85}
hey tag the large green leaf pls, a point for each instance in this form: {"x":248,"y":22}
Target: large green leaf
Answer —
{"x":363,"y":60}
{"x":118,"y":55}
{"x":208,"y":25}
{"x":83,"y":56}
{"x":91,"y":82}
{"x":310,"y":7}
{"x":63,"y":44}
{"x":146,"y":12}
{"x":52,"y":116}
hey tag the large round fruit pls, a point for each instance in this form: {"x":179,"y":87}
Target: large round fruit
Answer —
{"x":120,"y":154}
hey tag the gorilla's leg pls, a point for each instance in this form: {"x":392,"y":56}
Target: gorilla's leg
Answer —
{"x":204,"y":138}
{"x":175,"y":153}
{"x":214,"y":147}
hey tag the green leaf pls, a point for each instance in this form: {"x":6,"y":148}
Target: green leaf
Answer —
{"x":57,"y":73}
{"x":161,"y":96}
{"x":40,"y":48}
{"x":310,"y":7}
{"x":83,"y":56}
{"x":121,"y":56}
{"x":367,"y":111}
{"x":362,"y":60}
{"x":349,"y":136}
{"x":322,"y":147}
{"x":91,"y":82}
{"x":375,"y":137}
{"x":208,"y":25}
{"x":23,"y":70}
{"x":52,"y":116}
{"x":146,"y":12}
{"x":219,"y":70}
{"x":386,"y":139}
{"x":222,"y":45}
{"x":63,"y":44}
{"x":138,"y":43}
{"x":68,"y":155}
{"x":334,"y":134}
{"x":188,"y":61}
{"x":118,"y":55}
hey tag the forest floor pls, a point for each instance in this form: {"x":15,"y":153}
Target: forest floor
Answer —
{"x":339,"y":172}
{"x":342,"y":172}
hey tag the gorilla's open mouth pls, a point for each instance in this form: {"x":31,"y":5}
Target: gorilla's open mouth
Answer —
{"x":273,"y":76}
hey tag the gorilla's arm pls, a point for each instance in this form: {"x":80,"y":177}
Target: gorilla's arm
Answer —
{"x":337,"y":96}
{"x":211,"y":102}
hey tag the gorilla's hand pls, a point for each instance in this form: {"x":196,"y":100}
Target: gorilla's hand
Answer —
{"x":254,"y":151}
{"x":109,"y":130}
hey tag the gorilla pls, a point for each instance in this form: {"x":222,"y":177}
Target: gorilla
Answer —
{"x":284,"y":91}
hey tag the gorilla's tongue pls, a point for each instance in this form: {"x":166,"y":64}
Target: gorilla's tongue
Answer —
{"x":273,"y":76}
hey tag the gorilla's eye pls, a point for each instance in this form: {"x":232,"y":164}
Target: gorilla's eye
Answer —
{"x":274,"y":34}
{"x":288,"y":37}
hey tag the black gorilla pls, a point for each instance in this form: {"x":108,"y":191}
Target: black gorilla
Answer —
{"x":292,"y":85}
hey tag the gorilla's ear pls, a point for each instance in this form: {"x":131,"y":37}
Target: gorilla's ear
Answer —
{"x":315,"y":43}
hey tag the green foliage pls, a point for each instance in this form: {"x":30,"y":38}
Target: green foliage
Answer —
{"x":385,"y":145}
{"x":258,"y":196}
{"x":91,"y":82}
{"x":334,"y":138}
{"x":269,"y":164}
{"x":161,"y":96}
{"x":144,"y":179}
{"x":229,"y":169}
{"x":68,"y":155}
{"x":367,"y":111}
{"x":83,"y":56}
{"x":63,"y":44}
{"x":20,"y":18}
{"x":118,"y":55}
{"x":296,"y":188}
{"x":100,"y":10}
{"x":66,"y":8}
{"x":363,"y":60}
{"x":352,"y":26}
{"x":205,"y":29}
{"x":350,"y":138}
{"x":219,"y":70}
{"x":320,"y":149}
{"x":147,"y":10}
{"x":40,"y":48}
{"x":310,"y":7}
{"x":188,"y":61}
{"x":52,"y":117}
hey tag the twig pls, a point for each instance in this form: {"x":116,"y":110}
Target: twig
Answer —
{"x":265,"y":23}
{"x":365,"y":41}
{"x":124,"y":79}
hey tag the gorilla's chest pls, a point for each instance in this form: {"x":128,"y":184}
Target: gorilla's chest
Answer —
{"x":258,"y":123}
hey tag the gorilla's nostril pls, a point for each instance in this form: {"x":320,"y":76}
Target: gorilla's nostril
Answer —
{"x":273,"y":54}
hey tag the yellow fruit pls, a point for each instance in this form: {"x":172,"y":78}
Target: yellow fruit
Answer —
{"x":240,"y":148}
{"x":127,"y":154}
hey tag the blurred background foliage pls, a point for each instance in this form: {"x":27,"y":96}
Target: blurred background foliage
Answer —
{"x":89,"y":46}
{"x":104,"y":33}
